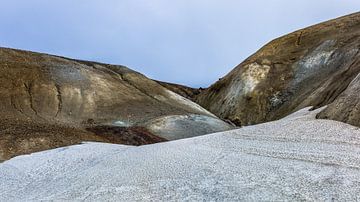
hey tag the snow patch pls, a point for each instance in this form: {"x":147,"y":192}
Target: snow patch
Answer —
{"x":121,"y":123}
{"x":318,"y":160}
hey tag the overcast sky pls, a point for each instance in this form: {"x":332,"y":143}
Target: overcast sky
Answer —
{"x":192,"y":42}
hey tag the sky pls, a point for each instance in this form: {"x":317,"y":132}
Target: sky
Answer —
{"x":191,"y":42}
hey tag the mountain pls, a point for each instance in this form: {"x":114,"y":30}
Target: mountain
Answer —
{"x":315,"y":66}
{"x":49,"y":101}
{"x":294,"y":83}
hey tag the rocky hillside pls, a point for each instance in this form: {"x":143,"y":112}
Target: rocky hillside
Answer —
{"x":49,"y":101}
{"x":315,"y":66}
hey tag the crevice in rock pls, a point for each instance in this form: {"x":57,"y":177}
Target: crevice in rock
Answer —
{"x":121,"y":77}
{"x":28,"y":88}
{"x":12,"y":102}
{"x":59,"y":98}
{"x":298,"y":40}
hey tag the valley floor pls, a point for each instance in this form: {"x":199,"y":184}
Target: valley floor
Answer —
{"x":296,"y":158}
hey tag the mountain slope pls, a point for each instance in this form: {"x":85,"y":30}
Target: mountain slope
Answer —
{"x":43,"y":95}
{"x":48,"y":87}
{"x":309,"y":67}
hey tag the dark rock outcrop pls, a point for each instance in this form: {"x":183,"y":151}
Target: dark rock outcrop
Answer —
{"x":315,"y":66}
{"x":26,"y":136}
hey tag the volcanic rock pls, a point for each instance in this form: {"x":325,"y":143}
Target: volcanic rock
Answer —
{"x":49,"y":101}
{"x":315,"y":66}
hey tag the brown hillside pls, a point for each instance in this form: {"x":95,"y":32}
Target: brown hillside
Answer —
{"x":310,"y":67}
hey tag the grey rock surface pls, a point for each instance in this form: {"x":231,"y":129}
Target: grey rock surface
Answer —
{"x":346,"y":107}
{"x":184,"y":126}
{"x":298,"y":158}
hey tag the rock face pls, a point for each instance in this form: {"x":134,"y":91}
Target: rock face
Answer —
{"x":315,"y":66}
{"x":51,"y":93}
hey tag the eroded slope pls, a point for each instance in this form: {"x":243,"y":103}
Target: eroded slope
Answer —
{"x":47,"y":95}
{"x":310,"y":67}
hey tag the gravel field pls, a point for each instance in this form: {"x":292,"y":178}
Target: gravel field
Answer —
{"x":294,"y":159}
